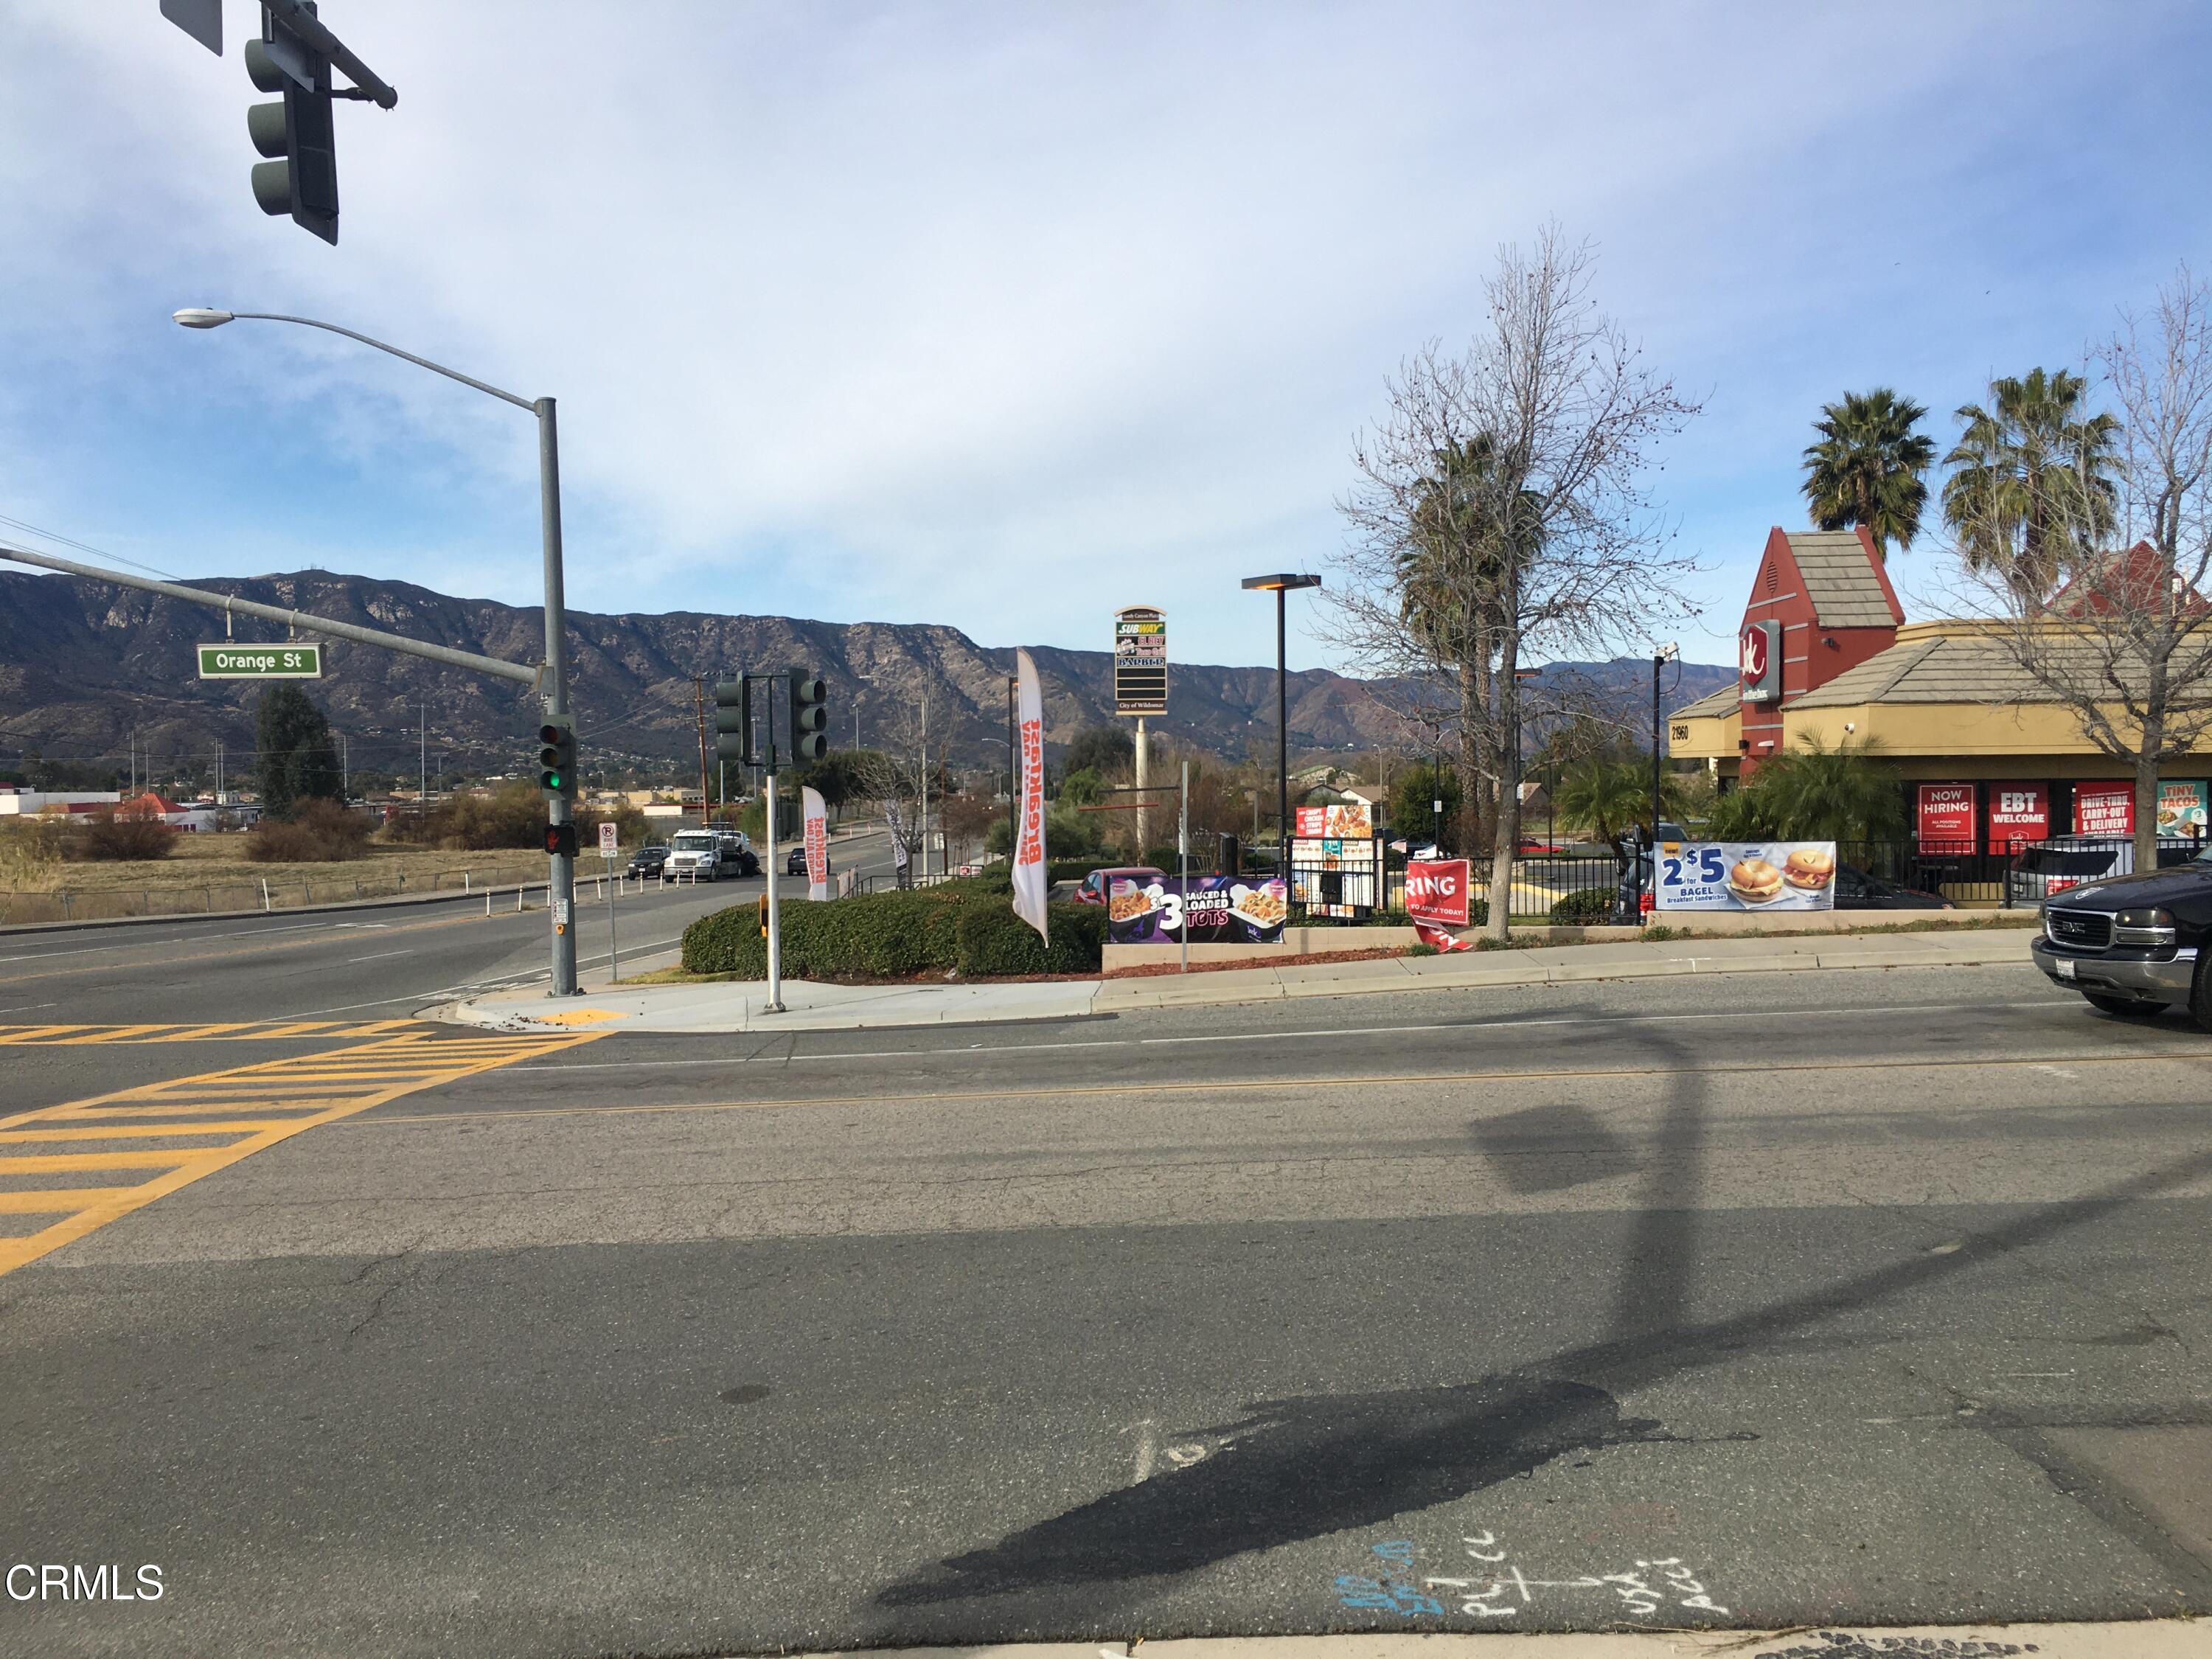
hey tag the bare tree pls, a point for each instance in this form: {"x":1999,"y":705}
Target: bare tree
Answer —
{"x":1500,"y":513}
{"x":2125,"y":644}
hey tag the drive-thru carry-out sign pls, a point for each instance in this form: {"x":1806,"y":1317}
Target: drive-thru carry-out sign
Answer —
{"x":261,"y":662}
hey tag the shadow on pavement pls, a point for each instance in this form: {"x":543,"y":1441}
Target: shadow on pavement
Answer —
{"x":1295,"y":1469}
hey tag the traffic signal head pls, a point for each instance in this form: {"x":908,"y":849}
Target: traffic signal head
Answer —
{"x":561,"y":841}
{"x":734,"y":720}
{"x":556,"y":755}
{"x":810,"y":713}
{"x":295,"y":132}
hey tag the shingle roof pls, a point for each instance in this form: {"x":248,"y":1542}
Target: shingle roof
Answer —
{"x":1950,"y":668}
{"x":1840,"y":579}
{"x":1713,"y":705}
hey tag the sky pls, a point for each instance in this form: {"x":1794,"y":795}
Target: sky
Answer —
{"x":1004,"y":316}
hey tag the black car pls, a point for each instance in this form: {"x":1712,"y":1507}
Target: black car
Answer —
{"x":2135,"y":945}
{"x":647,"y":862}
{"x":1855,"y":890}
{"x":795,"y":863}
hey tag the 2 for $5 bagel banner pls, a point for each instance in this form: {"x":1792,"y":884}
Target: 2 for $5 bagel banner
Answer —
{"x":1747,"y":875}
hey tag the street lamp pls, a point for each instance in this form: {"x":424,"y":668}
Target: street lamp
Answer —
{"x":562,"y":873}
{"x":1279,"y":585}
{"x":1661,"y":655}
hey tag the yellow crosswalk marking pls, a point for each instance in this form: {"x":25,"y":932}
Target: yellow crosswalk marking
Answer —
{"x":229,"y":1116}
{"x":48,"y":1036}
{"x":73,"y":1163}
{"x":39,"y":1199}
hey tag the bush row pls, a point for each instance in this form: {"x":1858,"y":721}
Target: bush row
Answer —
{"x":897,"y":935}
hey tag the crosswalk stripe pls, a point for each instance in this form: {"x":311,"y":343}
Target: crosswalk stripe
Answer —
{"x":76,"y":1162}
{"x":58,"y":1036}
{"x":254,"y":1106}
{"x":39,"y":1199}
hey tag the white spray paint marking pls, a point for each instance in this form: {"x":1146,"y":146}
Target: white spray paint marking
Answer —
{"x":1145,"y":1452}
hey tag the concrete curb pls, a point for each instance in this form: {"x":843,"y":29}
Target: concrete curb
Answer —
{"x":731,"y":1007}
{"x":2177,"y":1638}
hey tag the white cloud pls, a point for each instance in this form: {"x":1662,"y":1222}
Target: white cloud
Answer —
{"x":998,"y":317}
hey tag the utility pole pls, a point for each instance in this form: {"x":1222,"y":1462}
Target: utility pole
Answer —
{"x":422,"y":757}
{"x":345,"y":767}
{"x":699,"y":701}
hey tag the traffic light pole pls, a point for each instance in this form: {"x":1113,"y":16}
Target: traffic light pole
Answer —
{"x":774,"y":916}
{"x":560,"y":877}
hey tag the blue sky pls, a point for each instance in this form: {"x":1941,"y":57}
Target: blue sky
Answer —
{"x":1003,"y":317}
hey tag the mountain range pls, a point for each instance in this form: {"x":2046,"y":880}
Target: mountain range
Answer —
{"x":92,"y":672}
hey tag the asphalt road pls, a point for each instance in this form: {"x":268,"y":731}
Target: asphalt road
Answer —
{"x":1742,"y":1300}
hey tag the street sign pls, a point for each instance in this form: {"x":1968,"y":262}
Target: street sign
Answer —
{"x":1141,"y":660}
{"x":229,"y":661}
{"x":607,"y":839}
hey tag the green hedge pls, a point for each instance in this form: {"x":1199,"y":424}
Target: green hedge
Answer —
{"x":898,"y":935}
{"x":1590,"y":907}
{"x":992,"y":939}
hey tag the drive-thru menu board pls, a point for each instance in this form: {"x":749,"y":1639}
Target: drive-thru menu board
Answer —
{"x":1747,"y":875}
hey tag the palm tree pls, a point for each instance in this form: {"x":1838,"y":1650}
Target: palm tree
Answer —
{"x":1460,"y":555}
{"x":2032,"y":486}
{"x":1606,"y":799}
{"x":1813,"y":793}
{"x":1866,"y":469}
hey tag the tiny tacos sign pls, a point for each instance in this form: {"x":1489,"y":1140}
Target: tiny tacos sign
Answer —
{"x":1436,"y":901}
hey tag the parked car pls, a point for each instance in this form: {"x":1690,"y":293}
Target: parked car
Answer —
{"x":648,"y":863}
{"x":1855,"y":890}
{"x":1095,"y":888}
{"x":2135,"y":945}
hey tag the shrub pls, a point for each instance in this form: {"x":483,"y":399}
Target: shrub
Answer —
{"x":318,"y":832}
{"x":877,"y":935}
{"x":1589,"y":908}
{"x":992,"y":939}
{"x":133,"y":833}
{"x":896,"y":935}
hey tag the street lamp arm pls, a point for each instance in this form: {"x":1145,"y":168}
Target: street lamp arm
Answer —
{"x":421,"y":362}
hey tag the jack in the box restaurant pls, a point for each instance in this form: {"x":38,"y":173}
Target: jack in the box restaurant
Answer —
{"x":1989,"y":762}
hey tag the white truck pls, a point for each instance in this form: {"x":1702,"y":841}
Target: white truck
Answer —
{"x":708,"y":855}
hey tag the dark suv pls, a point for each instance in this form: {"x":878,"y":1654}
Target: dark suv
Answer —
{"x":2135,"y":945}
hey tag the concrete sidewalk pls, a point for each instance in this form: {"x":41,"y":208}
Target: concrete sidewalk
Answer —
{"x":737,"y":1006}
{"x":2172,"y":1638}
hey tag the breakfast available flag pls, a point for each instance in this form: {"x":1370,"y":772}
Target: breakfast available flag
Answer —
{"x":815,"y":816}
{"x":1029,"y":841}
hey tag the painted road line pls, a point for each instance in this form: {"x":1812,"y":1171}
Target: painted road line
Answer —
{"x":2195,"y":1057}
{"x":248,"y":1121}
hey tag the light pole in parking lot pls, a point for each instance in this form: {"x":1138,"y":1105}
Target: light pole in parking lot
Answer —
{"x":1279,"y":585}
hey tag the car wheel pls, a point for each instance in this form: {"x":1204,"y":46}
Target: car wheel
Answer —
{"x":2200,"y":998}
{"x":2125,"y":1007}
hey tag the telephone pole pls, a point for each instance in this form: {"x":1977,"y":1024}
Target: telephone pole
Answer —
{"x":699,"y":704}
